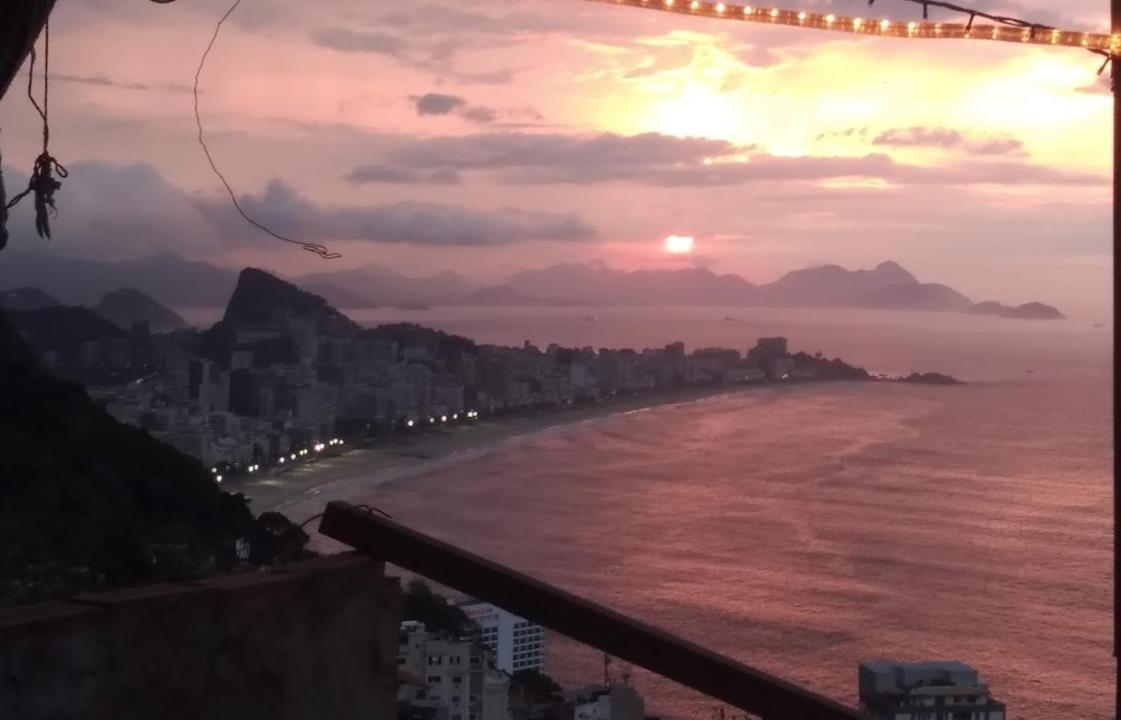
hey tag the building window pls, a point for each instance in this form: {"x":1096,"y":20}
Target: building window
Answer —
{"x":433,"y":679}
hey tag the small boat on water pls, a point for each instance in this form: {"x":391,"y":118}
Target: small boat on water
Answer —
{"x":590,"y":318}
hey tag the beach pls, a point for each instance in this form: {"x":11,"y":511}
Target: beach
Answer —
{"x":395,"y":457}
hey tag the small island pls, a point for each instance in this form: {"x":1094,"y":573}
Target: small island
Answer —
{"x":1027,"y":311}
{"x":929,"y":378}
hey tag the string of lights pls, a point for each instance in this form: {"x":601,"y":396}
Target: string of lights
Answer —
{"x":1004,"y":30}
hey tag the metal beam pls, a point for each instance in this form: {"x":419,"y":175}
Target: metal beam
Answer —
{"x":693,"y":666}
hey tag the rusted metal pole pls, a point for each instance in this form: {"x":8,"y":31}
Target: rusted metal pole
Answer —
{"x":1115,"y":9}
{"x":21,"y":21}
{"x":693,"y":666}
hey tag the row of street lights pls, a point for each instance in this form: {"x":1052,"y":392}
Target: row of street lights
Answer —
{"x":295,"y":455}
{"x":469,"y":415}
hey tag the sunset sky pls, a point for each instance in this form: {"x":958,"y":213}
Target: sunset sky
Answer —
{"x":497,"y":135}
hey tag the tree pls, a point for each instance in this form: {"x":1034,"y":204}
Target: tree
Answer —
{"x":535,"y":687}
{"x":419,"y":603}
{"x":275,"y":539}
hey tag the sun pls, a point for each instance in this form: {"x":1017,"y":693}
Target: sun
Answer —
{"x":678,"y":244}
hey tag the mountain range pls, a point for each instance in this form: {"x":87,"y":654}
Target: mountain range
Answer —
{"x":180,"y":283}
{"x":121,"y":307}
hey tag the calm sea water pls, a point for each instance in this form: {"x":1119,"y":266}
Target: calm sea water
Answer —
{"x":804,"y":529}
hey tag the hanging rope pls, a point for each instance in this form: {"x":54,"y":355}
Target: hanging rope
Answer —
{"x":42,"y":184}
{"x":3,"y":208}
{"x":320,"y":250}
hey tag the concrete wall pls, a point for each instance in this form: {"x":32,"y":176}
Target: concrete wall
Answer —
{"x":316,"y":639}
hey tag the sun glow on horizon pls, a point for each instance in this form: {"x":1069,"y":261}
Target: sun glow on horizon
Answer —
{"x":679,"y":244}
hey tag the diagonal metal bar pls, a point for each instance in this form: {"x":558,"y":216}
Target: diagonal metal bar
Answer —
{"x":693,"y":666}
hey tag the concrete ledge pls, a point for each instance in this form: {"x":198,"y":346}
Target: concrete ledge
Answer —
{"x":312,"y":639}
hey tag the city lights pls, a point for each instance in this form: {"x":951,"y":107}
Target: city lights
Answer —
{"x":1099,"y":42}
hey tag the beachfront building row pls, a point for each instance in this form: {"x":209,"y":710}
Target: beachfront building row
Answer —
{"x":287,"y":385}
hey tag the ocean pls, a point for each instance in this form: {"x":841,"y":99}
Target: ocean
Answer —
{"x":804,"y":529}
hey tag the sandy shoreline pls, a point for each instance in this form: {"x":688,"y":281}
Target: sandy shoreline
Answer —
{"x":397,"y":457}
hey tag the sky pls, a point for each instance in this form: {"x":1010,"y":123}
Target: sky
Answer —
{"x":499,"y":135}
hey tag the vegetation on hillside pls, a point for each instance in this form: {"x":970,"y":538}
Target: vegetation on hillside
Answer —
{"x":88,"y":503}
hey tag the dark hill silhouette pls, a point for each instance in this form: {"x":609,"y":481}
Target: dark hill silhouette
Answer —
{"x":63,"y":329}
{"x":25,"y":298}
{"x":262,"y":298}
{"x":87,"y":502}
{"x":128,"y":305}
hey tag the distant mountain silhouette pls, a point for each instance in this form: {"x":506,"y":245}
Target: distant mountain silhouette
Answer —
{"x":988,"y":307}
{"x":501,"y":295}
{"x":337,"y":296}
{"x":168,"y":278}
{"x":25,"y":298}
{"x":125,"y":306}
{"x":175,"y":282}
{"x":1035,"y":311}
{"x":1027,"y":311}
{"x":887,"y":286}
{"x":376,"y":285}
{"x":596,"y":283}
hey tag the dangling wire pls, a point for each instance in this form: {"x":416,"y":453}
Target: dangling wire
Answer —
{"x":320,"y":250}
{"x":42,"y":184}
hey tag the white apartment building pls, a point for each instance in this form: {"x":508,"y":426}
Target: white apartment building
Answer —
{"x":516,"y":644}
{"x":451,"y":676}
